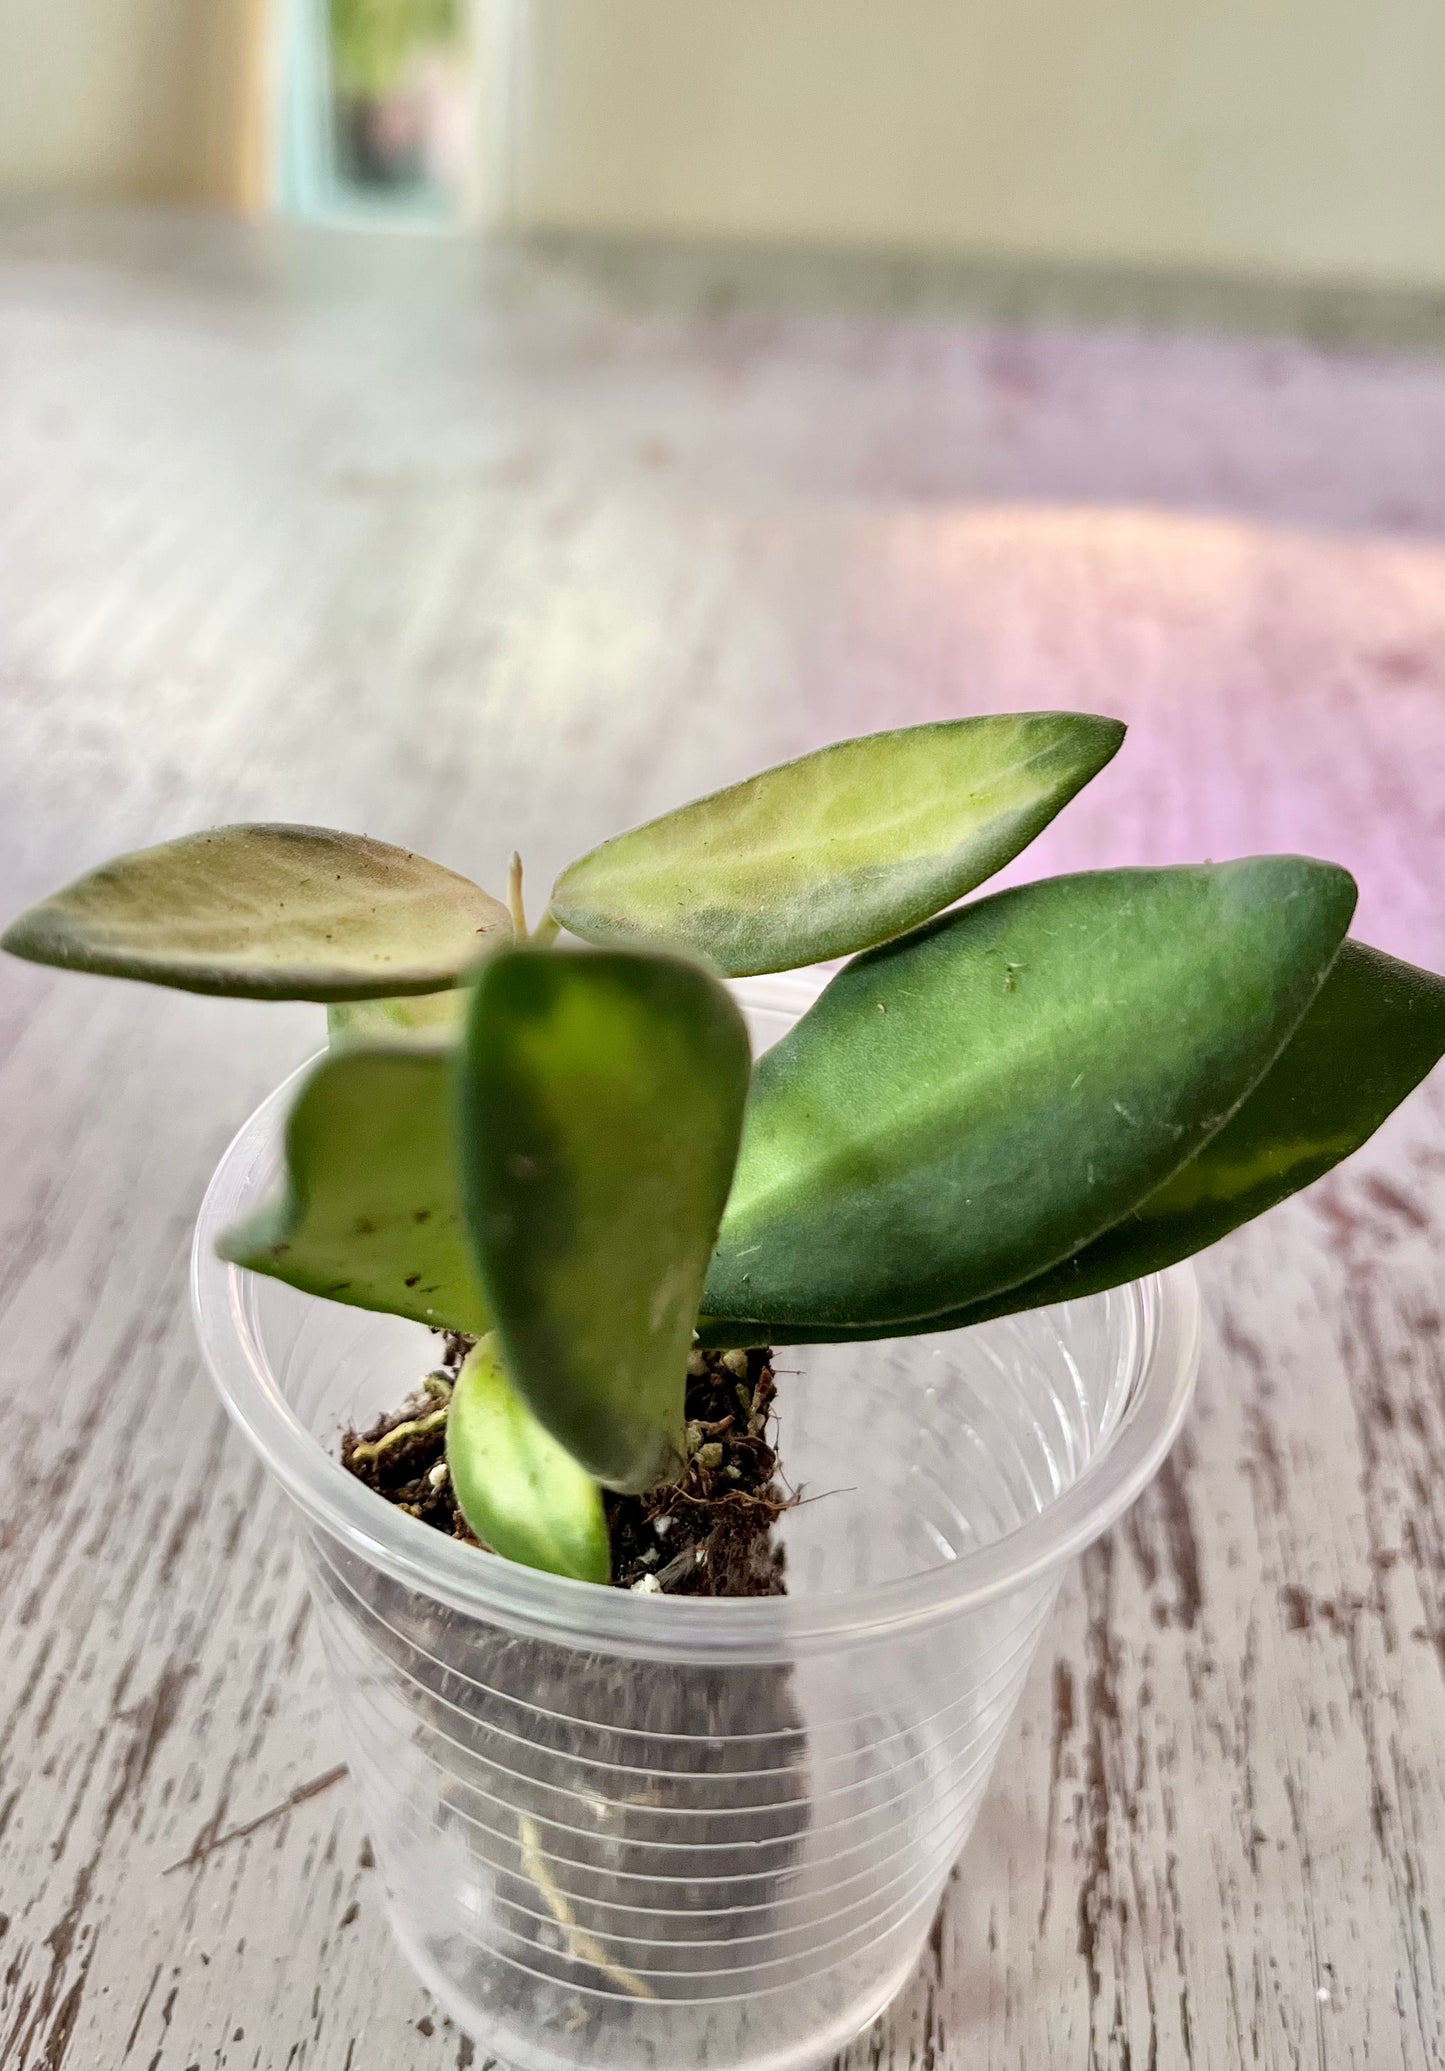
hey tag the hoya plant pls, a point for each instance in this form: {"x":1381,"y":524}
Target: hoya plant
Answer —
{"x":564,"y":1156}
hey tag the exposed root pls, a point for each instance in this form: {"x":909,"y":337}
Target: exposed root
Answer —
{"x":581,"y":1944}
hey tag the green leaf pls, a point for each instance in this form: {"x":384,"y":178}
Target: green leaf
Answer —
{"x":426,"y":1017}
{"x":371,"y":1212}
{"x":1374,"y":1030}
{"x":841,"y":849}
{"x":965,"y":1108}
{"x":520,"y":1491}
{"x":1376,"y":1027}
{"x":268,"y":912}
{"x":602,"y":1097}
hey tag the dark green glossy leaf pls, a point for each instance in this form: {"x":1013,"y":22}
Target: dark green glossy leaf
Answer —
{"x":268,"y":912}
{"x":840,"y":849}
{"x":371,"y":1211}
{"x":1374,"y":1030}
{"x":965,"y":1108}
{"x":521,"y":1492}
{"x":1376,"y":1027}
{"x":602,"y":1096}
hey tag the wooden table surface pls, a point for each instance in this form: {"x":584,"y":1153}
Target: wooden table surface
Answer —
{"x":496,"y":552}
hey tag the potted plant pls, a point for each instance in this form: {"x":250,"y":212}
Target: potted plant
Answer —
{"x":703,"y":1815}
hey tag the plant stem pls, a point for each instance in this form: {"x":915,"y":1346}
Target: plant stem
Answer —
{"x":514,"y":897}
{"x":547,"y":929}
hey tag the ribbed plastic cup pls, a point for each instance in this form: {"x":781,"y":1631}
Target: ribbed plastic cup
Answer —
{"x":649,"y":1833}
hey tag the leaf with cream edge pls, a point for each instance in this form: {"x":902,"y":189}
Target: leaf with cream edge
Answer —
{"x":371,"y":1210}
{"x":1374,"y":1030}
{"x":268,"y":912}
{"x":602,"y":1095}
{"x":963,"y":1109}
{"x":841,"y":849}
{"x":520,"y":1491}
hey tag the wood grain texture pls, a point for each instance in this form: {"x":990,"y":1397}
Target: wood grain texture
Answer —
{"x":499,"y":554}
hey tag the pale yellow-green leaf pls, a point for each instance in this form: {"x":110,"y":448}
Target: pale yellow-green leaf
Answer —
{"x":840,"y":849}
{"x":371,"y":1210}
{"x":521,"y":1492}
{"x":268,"y":912}
{"x":426,"y":1017}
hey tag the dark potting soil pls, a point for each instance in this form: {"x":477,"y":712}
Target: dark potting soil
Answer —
{"x":708,"y":1534}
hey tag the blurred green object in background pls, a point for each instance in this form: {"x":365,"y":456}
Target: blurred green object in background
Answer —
{"x":377,"y":115}
{"x":374,"y":41}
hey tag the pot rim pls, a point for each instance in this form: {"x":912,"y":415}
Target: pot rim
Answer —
{"x":1166,"y":1333}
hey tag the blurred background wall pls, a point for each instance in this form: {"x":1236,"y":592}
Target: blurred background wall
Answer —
{"x":1303,"y":137}
{"x":155,"y":100}
{"x":95,"y":96}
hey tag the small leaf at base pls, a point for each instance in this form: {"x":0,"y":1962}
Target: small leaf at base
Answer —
{"x":520,"y":1491}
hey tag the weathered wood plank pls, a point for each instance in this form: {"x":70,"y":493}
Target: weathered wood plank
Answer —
{"x":509,"y":562}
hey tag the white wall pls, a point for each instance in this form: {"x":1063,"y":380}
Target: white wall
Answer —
{"x":1296,"y":136}
{"x":92,"y":95}
{"x":1299,"y":135}
{"x":129,"y":98}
